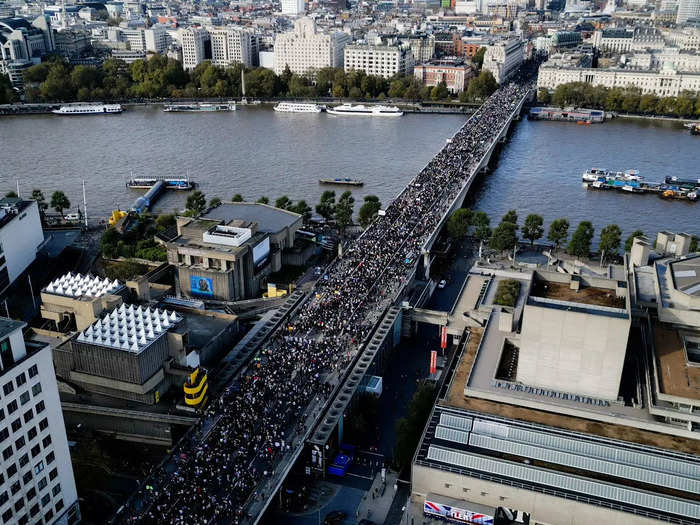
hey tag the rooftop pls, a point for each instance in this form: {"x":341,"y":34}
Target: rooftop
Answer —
{"x":7,"y":326}
{"x":588,"y":295}
{"x":78,"y":285}
{"x":10,"y":207}
{"x":270,"y":219}
{"x":130,"y":329}
{"x":676,"y":376}
{"x":686,"y":275}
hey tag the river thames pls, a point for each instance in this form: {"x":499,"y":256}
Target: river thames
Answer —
{"x":256,"y":152}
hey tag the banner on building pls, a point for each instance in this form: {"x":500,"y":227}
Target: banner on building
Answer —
{"x":202,"y":286}
{"x":433,"y":361}
{"x":456,"y":514}
{"x":443,"y":337}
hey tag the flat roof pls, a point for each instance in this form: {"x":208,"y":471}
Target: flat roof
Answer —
{"x":589,"y":295}
{"x":676,"y":378}
{"x":686,"y":275}
{"x":7,"y":326}
{"x":269,"y":218}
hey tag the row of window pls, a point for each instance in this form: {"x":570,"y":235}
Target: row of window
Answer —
{"x":21,"y":379}
{"x":33,"y":511}
{"x":31,"y":434}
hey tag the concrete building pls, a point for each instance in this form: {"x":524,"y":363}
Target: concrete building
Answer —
{"x":503,"y":59}
{"x":620,"y":40}
{"x":688,"y":10}
{"x":156,"y":39}
{"x":231,"y":45}
{"x":128,"y":55}
{"x":293,"y":7}
{"x":228,"y":252}
{"x":383,"y":61}
{"x":72,"y":43}
{"x":193,"y":41}
{"x":305,"y":49}
{"x":20,"y":238}
{"x":454,"y":73}
{"x":37,"y":484}
{"x":22,"y":39}
{"x":422,"y":48}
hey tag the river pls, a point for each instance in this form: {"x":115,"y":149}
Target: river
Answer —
{"x":256,"y":152}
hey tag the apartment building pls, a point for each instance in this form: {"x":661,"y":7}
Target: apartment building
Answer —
{"x":383,"y":61}
{"x":193,"y":41}
{"x":503,"y":59}
{"x":306,"y":49}
{"x":233,"y":44}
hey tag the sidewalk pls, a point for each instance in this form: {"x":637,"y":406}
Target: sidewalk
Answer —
{"x":377,"y":501}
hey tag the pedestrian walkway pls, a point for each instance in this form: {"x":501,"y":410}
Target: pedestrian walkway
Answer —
{"x":377,"y":501}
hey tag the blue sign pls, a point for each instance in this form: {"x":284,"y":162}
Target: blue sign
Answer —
{"x":202,"y":286}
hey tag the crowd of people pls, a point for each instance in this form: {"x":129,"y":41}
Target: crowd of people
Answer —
{"x":220,"y":468}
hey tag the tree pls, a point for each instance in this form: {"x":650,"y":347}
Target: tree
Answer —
{"x":283,"y":202}
{"x":12,"y":194}
{"x":481,"y":223}
{"x":237,"y":198}
{"x":326,"y":206}
{"x":7,"y":94}
{"x":478,"y":57}
{"x":410,"y":428}
{"x":369,"y":210}
{"x":38,"y":196}
{"x":558,"y":232}
{"x":507,"y":292}
{"x":215,"y":201}
{"x":609,"y":242}
{"x":459,"y":222}
{"x":163,"y":222}
{"x":263,"y":200}
{"x":532,"y":228}
{"x":440,"y":92}
{"x":504,"y":236}
{"x":510,"y":216}
{"x":580,"y":244}
{"x":544,"y":96}
{"x":196,"y":203}
{"x":344,"y":210}
{"x":59,"y":202}
{"x":630,"y":240}
{"x":483,"y":86}
{"x":303,"y":209}
{"x":693,"y":244}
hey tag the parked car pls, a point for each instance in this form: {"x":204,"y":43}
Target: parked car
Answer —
{"x":442,"y":284}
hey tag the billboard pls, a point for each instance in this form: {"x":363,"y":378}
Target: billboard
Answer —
{"x":433,"y":362}
{"x":201,"y":286}
{"x":455,"y":514}
{"x":261,"y":251}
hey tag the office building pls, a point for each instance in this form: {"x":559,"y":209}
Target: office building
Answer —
{"x":688,"y":10}
{"x":620,"y":40}
{"x":193,"y":41}
{"x":227,"y":253}
{"x":20,"y":237}
{"x":422,"y":48}
{"x":293,"y":7}
{"x":305,"y":49}
{"x":231,"y":45}
{"x":72,"y":43}
{"x":37,"y":483}
{"x":453,"y":72}
{"x":503,"y":59}
{"x":21,"y":39}
{"x":383,"y":61}
{"x":156,"y":39}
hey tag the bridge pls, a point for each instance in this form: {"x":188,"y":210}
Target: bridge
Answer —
{"x":377,"y":307}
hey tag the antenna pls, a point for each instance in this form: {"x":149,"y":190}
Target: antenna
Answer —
{"x":84,"y":203}
{"x":18,"y":195}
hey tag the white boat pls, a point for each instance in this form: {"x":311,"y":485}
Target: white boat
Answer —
{"x":89,"y":109}
{"x":199,"y":107}
{"x":297,"y":107}
{"x":361,"y":110}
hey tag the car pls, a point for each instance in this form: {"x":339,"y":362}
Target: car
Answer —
{"x":442,"y":284}
{"x":335,"y":517}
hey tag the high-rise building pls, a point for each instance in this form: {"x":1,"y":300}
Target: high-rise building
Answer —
{"x":503,"y":59}
{"x":37,"y":483}
{"x":304,"y":48}
{"x":193,"y":41}
{"x":293,"y":7}
{"x":20,"y":237}
{"x":156,"y":39}
{"x":688,"y":9}
{"x":383,"y":61}
{"x":232,"y":44}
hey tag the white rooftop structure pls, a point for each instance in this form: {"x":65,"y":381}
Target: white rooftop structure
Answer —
{"x":78,"y":285}
{"x":129,"y":328}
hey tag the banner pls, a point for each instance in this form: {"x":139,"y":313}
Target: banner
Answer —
{"x":456,"y":514}
{"x":433,"y":361}
{"x":202,"y":286}
{"x":443,"y":337}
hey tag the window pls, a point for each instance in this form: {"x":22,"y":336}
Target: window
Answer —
{"x":16,"y":425}
{"x":19,"y":442}
{"x":11,"y":470}
{"x":34,"y":510}
{"x":32,"y":433}
{"x":43,"y":424}
{"x":56,"y":489}
{"x":7,"y":516}
{"x":24,"y":398}
{"x":48,"y":516}
{"x":23,"y":520}
{"x":15,"y":488}
{"x":31,"y":494}
{"x":36,"y":389}
{"x":4,"y":498}
{"x":40,"y":406}
{"x":7,"y":453}
{"x":12,"y":407}
{"x":23,"y":460}
{"x":8,"y":388}
{"x":36,"y":449}
{"x":19,"y":504}
{"x":40,"y":466}
{"x":42,"y":483}
{"x":52,"y":474}
{"x":20,"y":379}
{"x":28,"y":415}
{"x":59,"y":505}
{"x":27,"y":477}
{"x":2,"y":414}
{"x":50,"y":457}
{"x":46,"y":441}
{"x":4,"y":434}
{"x":33,"y":371}
{"x":45,"y":500}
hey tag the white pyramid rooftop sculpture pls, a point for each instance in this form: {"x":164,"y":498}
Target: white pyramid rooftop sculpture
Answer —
{"x":78,"y":285}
